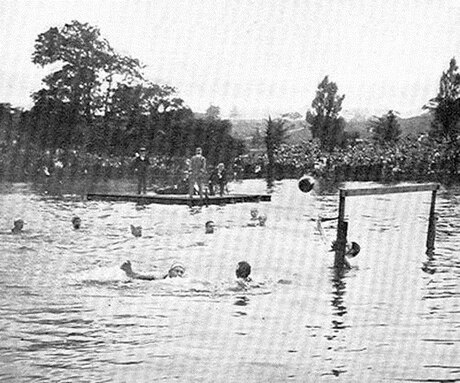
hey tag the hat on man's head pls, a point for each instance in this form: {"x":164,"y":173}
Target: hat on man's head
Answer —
{"x":142,"y":149}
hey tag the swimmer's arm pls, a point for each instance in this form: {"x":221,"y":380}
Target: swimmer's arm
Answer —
{"x":144,"y":277}
{"x":242,"y":284}
{"x":133,"y":275}
{"x":321,"y":231}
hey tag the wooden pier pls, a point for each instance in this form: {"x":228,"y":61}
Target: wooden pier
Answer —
{"x":180,"y":199}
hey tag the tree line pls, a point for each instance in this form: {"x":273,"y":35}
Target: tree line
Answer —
{"x":99,"y":101}
{"x":328,"y":127}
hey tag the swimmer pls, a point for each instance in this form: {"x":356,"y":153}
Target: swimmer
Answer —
{"x":259,"y":220}
{"x":243,"y":280}
{"x":76,"y":222}
{"x":176,"y":270}
{"x":209,"y":227}
{"x":352,"y":249}
{"x":18,"y":225}
{"x":243,"y":271}
{"x":136,"y":231}
{"x":254,"y":214}
{"x":262,"y":219}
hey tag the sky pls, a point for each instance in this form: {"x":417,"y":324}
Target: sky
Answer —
{"x":256,"y":57}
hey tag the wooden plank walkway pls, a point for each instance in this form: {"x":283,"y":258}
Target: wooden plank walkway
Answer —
{"x":179,"y":199}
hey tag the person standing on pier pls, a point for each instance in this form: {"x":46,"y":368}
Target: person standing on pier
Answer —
{"x":197,"y":172}
{"x":141,"y":166}
{"x":218,"y":178}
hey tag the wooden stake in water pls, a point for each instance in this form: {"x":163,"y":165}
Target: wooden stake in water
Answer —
{"x":430,"y":238}
{"x":342,"y":228}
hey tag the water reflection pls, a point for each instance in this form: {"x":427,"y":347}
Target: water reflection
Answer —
{"x":241,"y":301}
{"x":338,"y":292}
{"x":429,"y":265}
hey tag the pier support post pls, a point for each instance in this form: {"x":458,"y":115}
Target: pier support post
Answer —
{"x":342,"y":229}
{"x":431,"y":235}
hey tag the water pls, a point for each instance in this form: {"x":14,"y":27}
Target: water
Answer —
{"x":68,"y":313}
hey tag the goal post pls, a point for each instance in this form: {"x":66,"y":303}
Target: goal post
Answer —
{"x":342,"y":225}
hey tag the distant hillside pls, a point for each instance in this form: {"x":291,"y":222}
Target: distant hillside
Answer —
{"x":409,"y":126}
{"x":299,"y":131}
{"x":246,"y":129}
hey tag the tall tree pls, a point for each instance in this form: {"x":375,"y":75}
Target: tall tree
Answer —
{"x":385,"y":129}
{"x":275,"y":135}
{"x":213,"y":112}
{"x":90,"y":70}
{"x":324,"y":120}
{"x":445,"y":107}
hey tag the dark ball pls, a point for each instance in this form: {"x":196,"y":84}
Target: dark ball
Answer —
{"x":306,"y":184}
{"x":243,"y":270}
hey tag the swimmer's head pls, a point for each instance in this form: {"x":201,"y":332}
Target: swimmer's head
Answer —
{"x":209,"y":227}
{"x":176,"y":270}
{"x":18,"y":225}
{"x":136,"y":231}
{"x":352,"y":250}
{"x":262,"y":219}
{"x":221,"y":166}
{"x":76,"y":222}
{"x":254,"y":213}
{"x":243,"y":270}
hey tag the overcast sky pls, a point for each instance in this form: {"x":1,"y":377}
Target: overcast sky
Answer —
{"x":264,"y":56}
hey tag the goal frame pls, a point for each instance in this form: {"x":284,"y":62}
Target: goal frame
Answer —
{"x":342,"y":225}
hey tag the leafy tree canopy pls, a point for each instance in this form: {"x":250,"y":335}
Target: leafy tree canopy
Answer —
{"x":324,"y":120}
{"x":213,"y":112}
{"x":445,"y":107}
{"x":385,"y":129}
{"x":90,"y":69}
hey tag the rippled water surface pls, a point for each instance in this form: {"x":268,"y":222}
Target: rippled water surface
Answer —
{"x":69,"y":314}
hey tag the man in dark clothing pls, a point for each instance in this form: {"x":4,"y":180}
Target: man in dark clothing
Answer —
{"x":141,"y":166}
{"x":218,"y":178}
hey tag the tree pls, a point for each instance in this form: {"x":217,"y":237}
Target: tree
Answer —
{"x":275,"y":135}
{"x":324,"y":120}
{"x":385,"y":129}
{"x":142,"y":115}
{"x":445,"y":107}
{"x":81,"y":89}
{"x":213,"y":112}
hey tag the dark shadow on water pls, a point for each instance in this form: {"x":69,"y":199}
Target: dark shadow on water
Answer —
{"x":339,"y":311}
{"x":241,"y":301}
{"x":429,"y":265}
{"x":338,"y":292}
